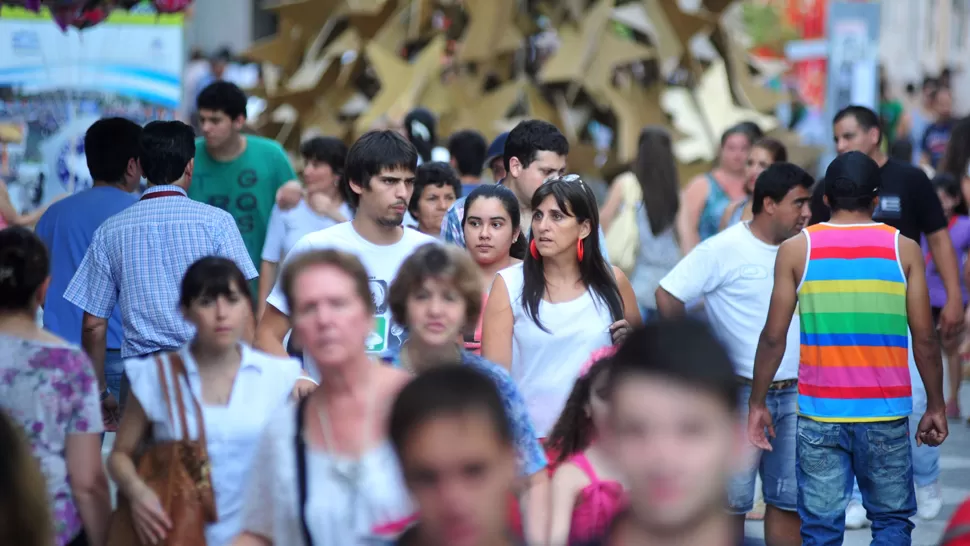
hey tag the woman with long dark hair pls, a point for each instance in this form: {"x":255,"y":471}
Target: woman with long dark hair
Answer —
{"x":655,"y":171}
{"x":494,"y":240}
{"x":546,"y":315}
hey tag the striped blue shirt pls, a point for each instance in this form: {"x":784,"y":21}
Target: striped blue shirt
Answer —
{"x":138,"y":257}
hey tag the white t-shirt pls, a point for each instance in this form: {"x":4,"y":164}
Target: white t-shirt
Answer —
{"x":381,"y":262}
{"x":286,"y":227}
{"x":734,"y":272}
{"x":546,"y":363}
{"x":260,"y":392}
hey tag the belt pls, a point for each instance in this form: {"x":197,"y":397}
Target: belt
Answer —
{"x":775,"y":385}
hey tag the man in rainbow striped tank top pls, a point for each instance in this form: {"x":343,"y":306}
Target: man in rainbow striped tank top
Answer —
{"x":857,"y":285}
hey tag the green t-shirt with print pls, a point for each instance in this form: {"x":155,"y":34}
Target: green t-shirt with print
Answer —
{"x":244,"y":187}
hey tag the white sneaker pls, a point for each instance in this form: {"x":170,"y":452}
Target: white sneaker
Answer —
{"x":855,"y":516}
{"x":929,"y":501}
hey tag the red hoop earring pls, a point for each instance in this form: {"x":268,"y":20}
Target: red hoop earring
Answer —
{"x":579,"y":249}
{"x":533,"y":250}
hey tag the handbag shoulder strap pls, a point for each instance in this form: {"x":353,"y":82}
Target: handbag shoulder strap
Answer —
{"x":301,"y":473}
{"x":163,"y":379}
{"x":178,"y":371}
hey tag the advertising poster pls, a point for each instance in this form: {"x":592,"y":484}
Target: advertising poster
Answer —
{"x":808,"y":75}
{"x":54,"y":85}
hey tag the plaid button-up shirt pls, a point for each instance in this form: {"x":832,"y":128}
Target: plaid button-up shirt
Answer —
{"x":138,"y":258}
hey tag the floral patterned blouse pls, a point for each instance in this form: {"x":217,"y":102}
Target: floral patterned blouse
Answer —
{"x":52,"y":392}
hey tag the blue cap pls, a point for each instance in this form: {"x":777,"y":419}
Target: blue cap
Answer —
{"x":496,"y":148}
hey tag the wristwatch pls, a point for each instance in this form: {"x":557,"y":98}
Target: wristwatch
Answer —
{"x":105,"y":394}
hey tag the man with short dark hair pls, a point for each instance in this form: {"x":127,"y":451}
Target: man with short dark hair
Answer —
{"x":436,"y":187}
{"x":378,"y":180}
{"x":674,"y":431}
{"x":733,"y":271}
{"x":67,"y":229}
{"x":452,"y":437}
{"x":856,"y":285}
{"x":467,"y":149}
{"x":236,"y":172}
{"x":138,"y":257}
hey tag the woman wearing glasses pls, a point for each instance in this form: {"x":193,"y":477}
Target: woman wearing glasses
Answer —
{"x":546,"y":315}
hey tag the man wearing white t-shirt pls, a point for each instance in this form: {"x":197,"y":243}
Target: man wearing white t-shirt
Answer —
{"x":379,"y":175}
{"x":734,"y":273}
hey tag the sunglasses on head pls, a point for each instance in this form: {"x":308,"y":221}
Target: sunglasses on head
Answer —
{"x":564,"y":178}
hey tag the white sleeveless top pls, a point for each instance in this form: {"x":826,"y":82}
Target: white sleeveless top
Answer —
{"x":380,"y":501}
{"x":261,"y":389}
{"x":545,"y":364}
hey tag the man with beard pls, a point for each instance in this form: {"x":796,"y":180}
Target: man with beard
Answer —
{"x":379,"y":179}
{"x":733,"y":272}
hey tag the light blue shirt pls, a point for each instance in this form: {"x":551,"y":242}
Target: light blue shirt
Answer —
{"x":67,"y":229}
{"x":137,"y":260}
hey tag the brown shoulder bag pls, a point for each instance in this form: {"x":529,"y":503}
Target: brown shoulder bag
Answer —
{"x":177,"y":471}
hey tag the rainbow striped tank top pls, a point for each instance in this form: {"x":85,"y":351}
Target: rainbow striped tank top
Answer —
{"x":854,"y":330}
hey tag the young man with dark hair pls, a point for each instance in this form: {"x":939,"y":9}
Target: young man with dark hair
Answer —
{"x":859,"y":288}
{"x":534,"y":151}
{"x":675,"y":433}
{"x":732,"y":272}
{"x":236,"y":172}
{"x":378,"y":179}
{"x":436,"y":187}
{"x":138,"y":257}
{"x":907,"y":202}
{"x":467,"y":149}
{"x":452,"y":437}
{"x":68,"y":226}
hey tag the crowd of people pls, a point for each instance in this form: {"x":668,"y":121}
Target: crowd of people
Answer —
{"x":395,"y":351}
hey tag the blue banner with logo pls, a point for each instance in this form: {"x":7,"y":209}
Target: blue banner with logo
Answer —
{"x":55,"y":84}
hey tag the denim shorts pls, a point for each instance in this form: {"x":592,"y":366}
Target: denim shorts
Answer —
{"x":776,"y":467}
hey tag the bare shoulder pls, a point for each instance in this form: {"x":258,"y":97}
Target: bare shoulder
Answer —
{"x":569,"y":476}
{"x":794,"y":246}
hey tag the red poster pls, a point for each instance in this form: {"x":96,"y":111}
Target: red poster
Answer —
{"x":808,"y":19}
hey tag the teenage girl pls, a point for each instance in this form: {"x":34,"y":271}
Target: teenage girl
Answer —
{"x":586,"y":490}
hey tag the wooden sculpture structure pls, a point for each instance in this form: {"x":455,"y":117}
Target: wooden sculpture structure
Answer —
{"x":336,"y":67}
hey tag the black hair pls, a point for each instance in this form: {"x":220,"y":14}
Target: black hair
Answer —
{"x":530,"y":137}
{"x":447,"y":391}
{"x":574,"y":198}
{"x":109,"y":145}
{"x":421,"y":127}
{"x":437,"y":174}
{"x":851,"y":182}
{"x":211,"y":277}
{"x":511,"y":206}
{"x":910,"y":88}
{"x":776,"y":181}
{"x":467,"y":149}
{"x":225,"y":97}
{"x":373,"y":153}
{"x":573,"y":431}
{"x":750,"y":128}
{"x":867,"y":118}
{"x":24,"y":266}
{"x":950,"y":185}
{"x":681,"y":350}
{"x":656,"y":170}
{"x":329,"y":150}
{"x":820,"y":211}
{"x":956,"y":157}
{"x":167,"y":147}
{"x":929,"y":82}
{"x":774,"y":147}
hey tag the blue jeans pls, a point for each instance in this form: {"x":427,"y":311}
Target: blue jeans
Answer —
{"x":829,"y":455}
{"x":926,"y":459}
{"x":114,"y":368}
{"x":776,"y":467}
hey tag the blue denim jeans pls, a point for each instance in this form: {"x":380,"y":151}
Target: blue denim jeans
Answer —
{"x":114,"y":368}
{"x":776,"y":467}
{"x":829,"y":455}
{"x":926,"y":459}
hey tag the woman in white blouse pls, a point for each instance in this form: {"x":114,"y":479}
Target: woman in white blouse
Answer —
{"x":328,"y":474}
{"x":238,"y":388}
{"x":300,"y":210}
{"x":546,"y":315}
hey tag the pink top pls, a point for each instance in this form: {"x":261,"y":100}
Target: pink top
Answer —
{"x":596,"y":506}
